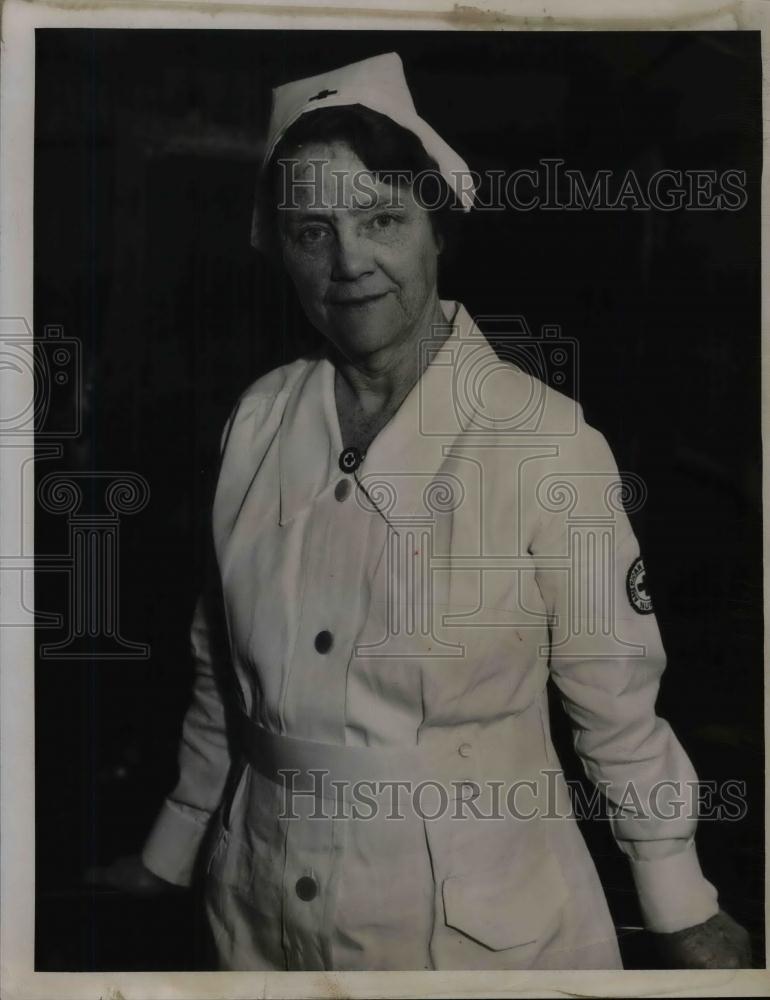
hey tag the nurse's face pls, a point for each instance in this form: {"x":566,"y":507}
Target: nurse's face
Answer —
{"x":363,"y":259}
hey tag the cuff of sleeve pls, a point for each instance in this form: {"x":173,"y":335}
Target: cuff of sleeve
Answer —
{"x":172,"y":845}
{"x":673,"y":892}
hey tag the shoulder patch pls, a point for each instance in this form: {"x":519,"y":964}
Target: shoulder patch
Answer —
{"x":636,"y":587}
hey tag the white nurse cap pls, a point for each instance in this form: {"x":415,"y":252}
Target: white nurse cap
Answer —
{"x":379,"y":84}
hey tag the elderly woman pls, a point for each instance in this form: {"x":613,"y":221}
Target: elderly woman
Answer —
{"x":412,"y":535}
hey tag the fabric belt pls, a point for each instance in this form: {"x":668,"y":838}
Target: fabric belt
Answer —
{"x":515,"y":746}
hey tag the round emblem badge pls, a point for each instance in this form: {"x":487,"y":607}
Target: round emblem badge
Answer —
{"x":350,"y":459}
{"x":636,"y":588}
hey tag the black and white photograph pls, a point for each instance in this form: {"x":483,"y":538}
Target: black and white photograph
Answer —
{"x":385,"y":523}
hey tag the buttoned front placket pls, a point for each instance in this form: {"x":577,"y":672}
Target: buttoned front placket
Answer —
{"x":330,"y":517}
{"x":314,"y":702}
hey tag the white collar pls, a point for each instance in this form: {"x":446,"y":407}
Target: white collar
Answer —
{"x":410,"y":448}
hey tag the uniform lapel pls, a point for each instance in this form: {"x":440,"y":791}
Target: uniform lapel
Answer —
{"x":309,"y":439}
{"x":403,"y":460}
{"x":401,"y":464}
{"x":419,"y":491}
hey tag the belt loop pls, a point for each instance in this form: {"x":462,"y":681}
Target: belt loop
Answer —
{"x":545,"y":722}
{"x":235,"y":782}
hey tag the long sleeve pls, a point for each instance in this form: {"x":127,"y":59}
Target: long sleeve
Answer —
{"x":204,"y":758}
{"x":607,"y":659}
{"x":204,"y":762}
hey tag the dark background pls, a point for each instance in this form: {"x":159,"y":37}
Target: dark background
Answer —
{"x":146,"y":151}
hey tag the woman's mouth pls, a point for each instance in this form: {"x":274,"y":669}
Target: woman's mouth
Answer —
{"x":356,"y":301}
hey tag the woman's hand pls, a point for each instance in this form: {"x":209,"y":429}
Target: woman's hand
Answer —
{"x":718,"y":943}
{"x":128,"y":874}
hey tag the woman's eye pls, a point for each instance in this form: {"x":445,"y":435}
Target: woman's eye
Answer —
{"x":383,"y":221}
{"x":312,"y":235}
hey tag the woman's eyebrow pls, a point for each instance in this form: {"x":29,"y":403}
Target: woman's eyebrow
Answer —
{"x":380,"y":205}
{"x":316,"y":215}
{"x":325,"y":215}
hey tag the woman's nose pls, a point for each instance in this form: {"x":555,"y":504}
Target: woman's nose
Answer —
{"x":351,"y":258}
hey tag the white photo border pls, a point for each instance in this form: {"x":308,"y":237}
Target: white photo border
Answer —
{"x":19,"y":981}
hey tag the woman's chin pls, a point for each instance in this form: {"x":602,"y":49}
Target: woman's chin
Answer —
{"x":361,"y":337}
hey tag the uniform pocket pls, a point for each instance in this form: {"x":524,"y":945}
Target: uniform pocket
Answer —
{"x":501,"y":909}
{"x":228,"y":812}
